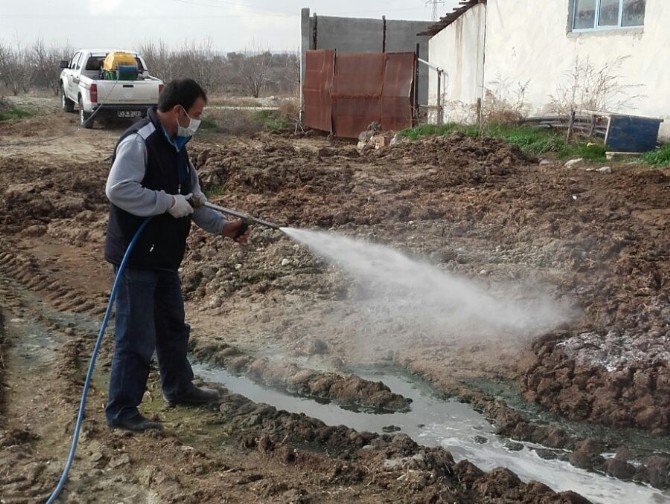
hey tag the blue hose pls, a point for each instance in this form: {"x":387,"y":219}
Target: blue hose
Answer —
{"x":91,"y":366}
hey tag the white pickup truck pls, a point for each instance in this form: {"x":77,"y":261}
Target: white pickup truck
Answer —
{"x":82,"y":85}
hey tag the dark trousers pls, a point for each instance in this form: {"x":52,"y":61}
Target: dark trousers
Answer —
{"x":149,"y":317}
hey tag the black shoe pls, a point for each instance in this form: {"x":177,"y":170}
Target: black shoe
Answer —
{"x":136,"y":424}
{"x":196,"y":396}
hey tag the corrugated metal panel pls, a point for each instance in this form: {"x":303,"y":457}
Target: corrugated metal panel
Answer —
{"x":357,"y":89}
{"x":360,"y":74}
{"x":319,"y":70}
{"x":353,"y":115}
{"x":364,"y":88}
{"x":396,"y":99}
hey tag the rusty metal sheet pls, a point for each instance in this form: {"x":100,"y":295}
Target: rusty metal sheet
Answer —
{"x":361,"y":89}
{"x":359,"y":75}
{"x":357,"y":89}
{"x":351,"y":115}
{"x":396,"y":99}
{"x":317,"y":88}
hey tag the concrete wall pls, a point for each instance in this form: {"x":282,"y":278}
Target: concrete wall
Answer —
{"x":458,"y":50}
{"x":529,"y":42}
{"x":358,"y":35}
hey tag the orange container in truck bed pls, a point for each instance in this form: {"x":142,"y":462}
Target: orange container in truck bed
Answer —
{"x":116,"y":58}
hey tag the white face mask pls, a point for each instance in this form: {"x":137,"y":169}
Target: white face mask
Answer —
{"x":189,"y":130}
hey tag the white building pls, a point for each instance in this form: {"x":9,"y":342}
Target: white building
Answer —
{"x":545,"y":56}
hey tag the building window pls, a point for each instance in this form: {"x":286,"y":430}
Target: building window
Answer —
{"x":607,"y":14}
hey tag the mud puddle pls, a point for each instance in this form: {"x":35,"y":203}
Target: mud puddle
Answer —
{"x":455,"y":426}
{"x":40,"y":367}
{"x":36,"y":339}
{"x":36,"y":346}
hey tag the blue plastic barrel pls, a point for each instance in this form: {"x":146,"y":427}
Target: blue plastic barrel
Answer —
{"x":127,"y":72}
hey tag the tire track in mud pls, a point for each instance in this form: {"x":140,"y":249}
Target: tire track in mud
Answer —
{"x":26,"y":270}
{"x":29,"y":419}
{"x":47,"y":361}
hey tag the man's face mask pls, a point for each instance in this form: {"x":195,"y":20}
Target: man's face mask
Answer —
{"x":189,"y":130}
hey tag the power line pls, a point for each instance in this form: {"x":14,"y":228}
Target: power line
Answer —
{"x":434,"y":3}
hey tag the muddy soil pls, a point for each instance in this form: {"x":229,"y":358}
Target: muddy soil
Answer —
{"x":349,"y":391}
{"x":478,"y":208}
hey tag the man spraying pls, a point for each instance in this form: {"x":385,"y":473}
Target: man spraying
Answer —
{"x":152,"y":176}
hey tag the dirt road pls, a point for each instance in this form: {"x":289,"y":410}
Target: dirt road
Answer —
{"x":276,"y":313}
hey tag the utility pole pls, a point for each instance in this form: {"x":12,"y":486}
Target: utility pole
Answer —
{"x":434,"y":3}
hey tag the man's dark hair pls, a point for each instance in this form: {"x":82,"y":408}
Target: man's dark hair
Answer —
{"x":182,"y":92}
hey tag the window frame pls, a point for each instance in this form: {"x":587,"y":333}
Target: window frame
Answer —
{"x":75,"y":60}
{"x":596,"y":27}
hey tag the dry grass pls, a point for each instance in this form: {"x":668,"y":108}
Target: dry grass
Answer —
{"x":233,"y":121}
{"x":289,"y":110}
{"x":504,"y":102}
{"x":587,"y":87}
{"x":233,"y":101}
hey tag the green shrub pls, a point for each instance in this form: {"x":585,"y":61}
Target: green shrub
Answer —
{"x":659,"y":156}
{"x":274,"y":120}
{"x":15,"y":113}
{"x":232,"y":121}
{"x":531,"y":140}
{"x":438,"y":130}
{"x":210,"y":124}
{"x":589,"y":151}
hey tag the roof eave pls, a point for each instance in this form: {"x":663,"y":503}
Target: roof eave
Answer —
{"x":445,"y":21}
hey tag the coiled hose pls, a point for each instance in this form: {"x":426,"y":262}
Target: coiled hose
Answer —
{"x":91,"y":365}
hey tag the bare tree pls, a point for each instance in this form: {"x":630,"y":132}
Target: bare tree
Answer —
{"x":251,"y":73}
{"x":254,"y":73}
{"x":587,"y":87}
{"x":202,"y":62}
{"x":504,"y":101}
{"x":159,"y":59}
{"x":285,"y":73}
{"x":43,"y":63}
{"x":14,"y":70}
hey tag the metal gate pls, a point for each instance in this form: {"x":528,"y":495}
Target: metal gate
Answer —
{"x":344,"y":93}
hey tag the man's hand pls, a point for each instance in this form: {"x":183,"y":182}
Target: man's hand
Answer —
{"x":199,"y":200}
{"x":232,"y":229}
{"x":180,"y":206}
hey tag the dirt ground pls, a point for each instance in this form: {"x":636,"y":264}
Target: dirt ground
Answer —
{"x":479,"y":208}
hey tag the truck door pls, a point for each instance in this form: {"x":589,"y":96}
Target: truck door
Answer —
{"x":73,"y":81}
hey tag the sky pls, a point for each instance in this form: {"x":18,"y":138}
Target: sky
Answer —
{"x":228,"y":25}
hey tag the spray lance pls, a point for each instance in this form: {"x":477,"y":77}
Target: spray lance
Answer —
{"x":247,"y":219}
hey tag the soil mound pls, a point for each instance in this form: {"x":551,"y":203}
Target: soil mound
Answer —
{"x":455,"y":151}
{"x":36,"y":195}
{"x":348,"y":391}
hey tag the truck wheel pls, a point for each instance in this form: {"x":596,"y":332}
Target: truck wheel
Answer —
{"x":84,"y":117}
{"x":66,"y":103}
